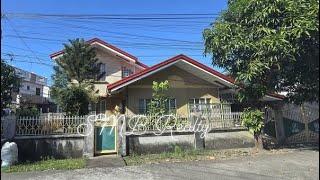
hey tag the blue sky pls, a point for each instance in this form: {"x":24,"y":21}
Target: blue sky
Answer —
{"x":32,"y":39}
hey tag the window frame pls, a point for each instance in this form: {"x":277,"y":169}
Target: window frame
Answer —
{"x":104,"y":68}
{"x":125,"y":71}
{"x":38,"y":94}
{"x":146,"y":101}
{"x":200,"y":106}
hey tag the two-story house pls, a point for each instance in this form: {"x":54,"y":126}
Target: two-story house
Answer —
{"x":125,"y":84}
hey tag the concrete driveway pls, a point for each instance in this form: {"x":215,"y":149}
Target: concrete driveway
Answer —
{"x":300,"y":164}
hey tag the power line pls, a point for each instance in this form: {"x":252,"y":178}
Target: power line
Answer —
{"x":126,"y":44}
{"x":19,"y":55}
{"x":21,"y":37}
{"x":113,"y":15}
{"x":121,"y":33}
{"x":31,"y":62}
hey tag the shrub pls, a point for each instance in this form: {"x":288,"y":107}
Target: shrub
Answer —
{"x":253,"y":120}
{"x":27,"y":112}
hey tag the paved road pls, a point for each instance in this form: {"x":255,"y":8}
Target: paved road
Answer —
{"x":302,"y":164}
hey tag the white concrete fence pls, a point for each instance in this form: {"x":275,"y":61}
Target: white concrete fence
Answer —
{"x":59,"y":124}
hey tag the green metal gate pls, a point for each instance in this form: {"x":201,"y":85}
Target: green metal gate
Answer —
{"x":105,"y":134}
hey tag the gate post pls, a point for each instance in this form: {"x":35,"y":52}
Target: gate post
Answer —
{"x":88,"y":147}
{"x":122,"y":142}
{"x":9,"y":127}
{"x":198,"y":141}
{"x":305,"y":121}
{"x":279,"y":126}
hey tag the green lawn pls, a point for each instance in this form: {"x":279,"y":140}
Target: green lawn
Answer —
{"x":50,"y":164}
{"x":191,"y":155}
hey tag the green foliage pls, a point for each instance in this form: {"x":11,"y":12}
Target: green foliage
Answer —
{"x":253,"y":120}
{"x":10,"y":83}
{"x":73,"y":79}
{"x":27,"y":112}
{"x":158,"y":104}
{"x":185,"y":155}
{"x":79,"y":61}
{"x":268,"y":46}
{"x":75,"y":99}
{"x":177,"y":150}
{"x":48,"y":164}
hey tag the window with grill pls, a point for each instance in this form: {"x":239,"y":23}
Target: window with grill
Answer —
{"x":126,"y":72}
{"x":100,"y":106}
{"x":199,"y":104}
{"x":144,"y":104}
{"x":102,"y":67}
{"x":102,"y":71}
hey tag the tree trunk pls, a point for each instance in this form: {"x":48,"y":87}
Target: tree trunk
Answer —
{"x":258,"y":141}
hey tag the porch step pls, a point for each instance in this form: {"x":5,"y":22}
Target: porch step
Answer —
{"x":105,"y":161}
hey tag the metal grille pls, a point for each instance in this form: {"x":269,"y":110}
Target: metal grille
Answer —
{"x":154,"y":123}
{"x":300,"y":122}
{"x":48,"y":125}
{"x":223,"y":120}
{"x":213,"y":121}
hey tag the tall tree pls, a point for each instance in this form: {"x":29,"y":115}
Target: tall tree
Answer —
{"x":60,"y":84}
{"x":10,"y":83}
{"x":79,"y":61}
{"x":268,"y":46}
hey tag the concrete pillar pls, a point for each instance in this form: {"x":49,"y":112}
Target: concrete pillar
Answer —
{"x":88,"y":147}
{"x":198,"y":141}
{"x":279,"y":126}
{"x":9,"y":127}
{"x":122,"y":140}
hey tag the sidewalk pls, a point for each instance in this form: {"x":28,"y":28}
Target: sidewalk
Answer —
{"x":105,"y":161}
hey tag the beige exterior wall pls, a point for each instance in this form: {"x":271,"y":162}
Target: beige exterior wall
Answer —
{"x":183,"y":86}
{"x":114,"y":66}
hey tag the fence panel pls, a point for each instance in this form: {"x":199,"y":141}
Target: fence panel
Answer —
{"x":48,"y":125}
{"x":213,"y":121}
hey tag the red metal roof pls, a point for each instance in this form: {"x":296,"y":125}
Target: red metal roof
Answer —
{"x":91,"y":41}
{"x":173,"y":59}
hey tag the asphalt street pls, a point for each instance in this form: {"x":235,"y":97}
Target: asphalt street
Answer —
{"x":300,"y":164}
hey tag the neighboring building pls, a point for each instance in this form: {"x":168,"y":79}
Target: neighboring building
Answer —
{"x":33,"y":91}
{"x":125,"y":83}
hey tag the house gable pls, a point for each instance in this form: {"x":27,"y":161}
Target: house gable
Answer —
{"x":176,"y":76}
{"x":182,"y":62}
{"x":189,"y":65}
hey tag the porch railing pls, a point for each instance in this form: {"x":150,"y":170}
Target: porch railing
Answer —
{"x":223,"y":120}
{"x":209,"y":108}
{"x":146,"y":122}
{"x":213,"y":121}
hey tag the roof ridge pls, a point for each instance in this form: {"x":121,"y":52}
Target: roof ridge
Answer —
{"x":108,"y":45}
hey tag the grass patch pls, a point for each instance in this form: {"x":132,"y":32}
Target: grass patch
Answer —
{"x":51,"y":164}
{"x":190,"y":155}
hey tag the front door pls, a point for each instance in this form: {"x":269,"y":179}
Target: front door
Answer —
{"x":105,"y":137}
